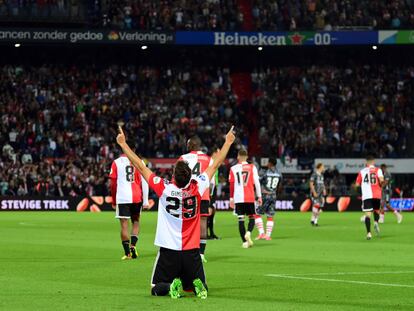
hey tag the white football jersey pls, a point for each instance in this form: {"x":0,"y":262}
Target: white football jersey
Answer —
{"x":130,"y":185}
{"x":198,"y":162}
{"x":369,"y":179}
{"x":178,"y":225}
{"x":244,"y":180}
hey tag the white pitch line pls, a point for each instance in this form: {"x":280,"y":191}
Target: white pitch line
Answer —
{"x":338,"y":281}
{"x":352,"y":273}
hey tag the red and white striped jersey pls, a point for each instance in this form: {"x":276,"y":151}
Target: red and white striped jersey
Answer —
{"x":369,"y":179}
{"x":244,"y":179}
{"x":198,"y":163}
{"x":127,"y":184}
{"x":178,"y":225}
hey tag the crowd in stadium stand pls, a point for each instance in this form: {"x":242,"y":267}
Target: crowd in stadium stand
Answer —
{"x":332,"y":14}
{"x":58,"y":123}
{"x":319,"y":111}
{"x":222,"y":15}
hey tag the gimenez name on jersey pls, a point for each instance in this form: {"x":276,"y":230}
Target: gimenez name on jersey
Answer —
{"x":182,"y":194}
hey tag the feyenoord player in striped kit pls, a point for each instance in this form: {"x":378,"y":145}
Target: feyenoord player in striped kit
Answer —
{"x":198,"y":163}
{"x":129,"y":194}
{"x":244,"y":180}
{"x":371,"y":180}
{"x":178,"y":264}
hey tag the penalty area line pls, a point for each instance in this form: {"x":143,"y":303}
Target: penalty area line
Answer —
{"x":284,"y":276}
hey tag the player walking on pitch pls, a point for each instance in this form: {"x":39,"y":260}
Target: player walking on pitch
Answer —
{"x":198,"y":163}
{"x":318,"y":192}
{"x":386,"y":196}
{"x":178,"y":264}
{"x":271,"y":181}
{"x":371,"y":180}
{"x":244,"y":180}
{"x":129,"y":194}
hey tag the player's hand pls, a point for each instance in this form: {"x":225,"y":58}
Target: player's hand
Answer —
{"x":120,"y":139}
{"x":231,"y":203}
{"x":230,"y":137}
{"x":146,"y":206}
{"x":259,"y":201}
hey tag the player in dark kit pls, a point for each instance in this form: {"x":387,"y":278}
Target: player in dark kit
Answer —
{"x":318,"y":192}
{"x":386,"y":196}
{"x":271,"y":181}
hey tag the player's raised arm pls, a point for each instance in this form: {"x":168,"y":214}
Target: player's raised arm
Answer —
{"x":221,"y":155}
{"x":135,"y":160}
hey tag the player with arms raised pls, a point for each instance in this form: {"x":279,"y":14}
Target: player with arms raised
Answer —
{"x":271,"y":181}
{"x":178,"y":264}
{"x":371,"y":180}
{"x":244,"y":180}
{"x":129,"y":193}
{"x":318,"y":192}
{"x":198,"y":163}
{"x":386,"y":196}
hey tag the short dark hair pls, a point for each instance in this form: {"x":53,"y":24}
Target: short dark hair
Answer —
{"x":273,"y":161}
{"x":242,"y":153}
{"x":182,"y":174}
{"x":194,"y":143}
{"x":383,"y":166}
{"x":370,"y":158}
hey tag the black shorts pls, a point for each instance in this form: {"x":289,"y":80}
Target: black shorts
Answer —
{"x":268,"y":207}
{"x":385,"y":198}
{"x":370,"y":205}
{"x":128,"y":210}
{"x":318,"y":202}
{"x":204,"y":205}
{"x":245,"y":209}
{"x":213,"y":198}
{"x":171,"y":264}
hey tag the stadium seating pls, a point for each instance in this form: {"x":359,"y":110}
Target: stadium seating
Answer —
{"x":58,"y":122}
{"x":218,"y":14}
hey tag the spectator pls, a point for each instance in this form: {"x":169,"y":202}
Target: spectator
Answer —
{"x":273,"y":15}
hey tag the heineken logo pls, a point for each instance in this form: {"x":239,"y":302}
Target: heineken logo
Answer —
{"x":296,"y":38}
{"x":223,"y":38}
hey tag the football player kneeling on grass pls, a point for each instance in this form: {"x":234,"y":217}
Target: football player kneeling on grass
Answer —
{"x":178,"y":264}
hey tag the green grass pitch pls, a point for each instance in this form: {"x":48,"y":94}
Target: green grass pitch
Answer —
{"x":71,"y":261}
